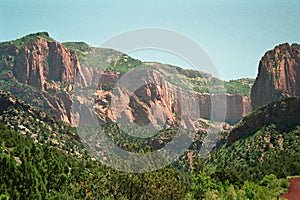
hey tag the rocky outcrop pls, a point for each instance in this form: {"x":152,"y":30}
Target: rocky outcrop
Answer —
{"x":10,"y":102}
{"x":278,"y":75}
{"x":52,"y":70}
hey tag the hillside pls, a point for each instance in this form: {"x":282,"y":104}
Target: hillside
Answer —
{"x":44,"y":159}
{"x":39,"y":126}
{"x":33,"y":171}
{"x":97,"y":58}
{"x":266,"y":141}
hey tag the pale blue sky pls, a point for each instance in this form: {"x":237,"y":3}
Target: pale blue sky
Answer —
{"x":235,"y":34}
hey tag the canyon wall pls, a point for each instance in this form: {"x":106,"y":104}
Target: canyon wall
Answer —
{"x":278,"y":75}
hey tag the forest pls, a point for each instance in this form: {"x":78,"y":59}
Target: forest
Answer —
{"x":33,"y":171}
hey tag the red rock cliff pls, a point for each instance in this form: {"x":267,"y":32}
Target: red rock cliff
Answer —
{"x":278,"y":75}
{"x":48,"y":65}
{"x":41,"y":61}
{"x":156,"y":101}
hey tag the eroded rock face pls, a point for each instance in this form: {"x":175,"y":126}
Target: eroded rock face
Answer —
{"x":42,"y":61}
{"x":278,"y":75}
{"x":48,"y":67}
{"x":54,"y":71}
{"x":238,"y":106}
{"x":158,"y":102}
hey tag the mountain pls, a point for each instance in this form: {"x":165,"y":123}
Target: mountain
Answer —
{"x":40,"y":71}
{"x":278,"y":75}
{"x":44,"y":72}
{"x":43,"y":158}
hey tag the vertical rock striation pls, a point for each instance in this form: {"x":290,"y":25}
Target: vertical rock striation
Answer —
{"x":278,"y":75}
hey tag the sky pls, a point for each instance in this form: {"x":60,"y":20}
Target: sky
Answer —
{"x":234,"y":34}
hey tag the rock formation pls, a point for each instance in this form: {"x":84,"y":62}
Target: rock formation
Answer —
{"x":48,"y":67}
{"x":53,"y":71}
{"x":278,"y":75}
{"x":41,"y":61}
{"x":157,"y":102}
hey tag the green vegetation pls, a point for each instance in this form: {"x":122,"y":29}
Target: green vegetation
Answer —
{"x":98,"y":58}
{"x":205,"y":187}
{"x":81,"y":49}
{"x":124,"y":63}
{"x":34,"y":171}
{"x":28,"y":38}
{"x":268,"y":151}
{"x":190,"y":73}
{"x":101,"y":58}
{"x":239,"y":86}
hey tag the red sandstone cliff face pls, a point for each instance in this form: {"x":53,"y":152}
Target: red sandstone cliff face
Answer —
{"x":41,"y":61}
{"x":157,"y":102}
{"x":47,"y":66}
{"x":53,"y":70}
{"x":238,"y":106}
{"x":278,"y":75}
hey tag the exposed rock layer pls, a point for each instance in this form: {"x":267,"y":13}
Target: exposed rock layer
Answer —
{"x":157,"y":102}
{"x":54,"y":70}
{"x":278,"y":75}
{"x":41,"y":61}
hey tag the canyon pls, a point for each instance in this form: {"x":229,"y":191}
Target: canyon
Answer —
{"x":53,"y":71}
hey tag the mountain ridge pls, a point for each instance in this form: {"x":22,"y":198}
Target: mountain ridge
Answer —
{"x":52,"y":69}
